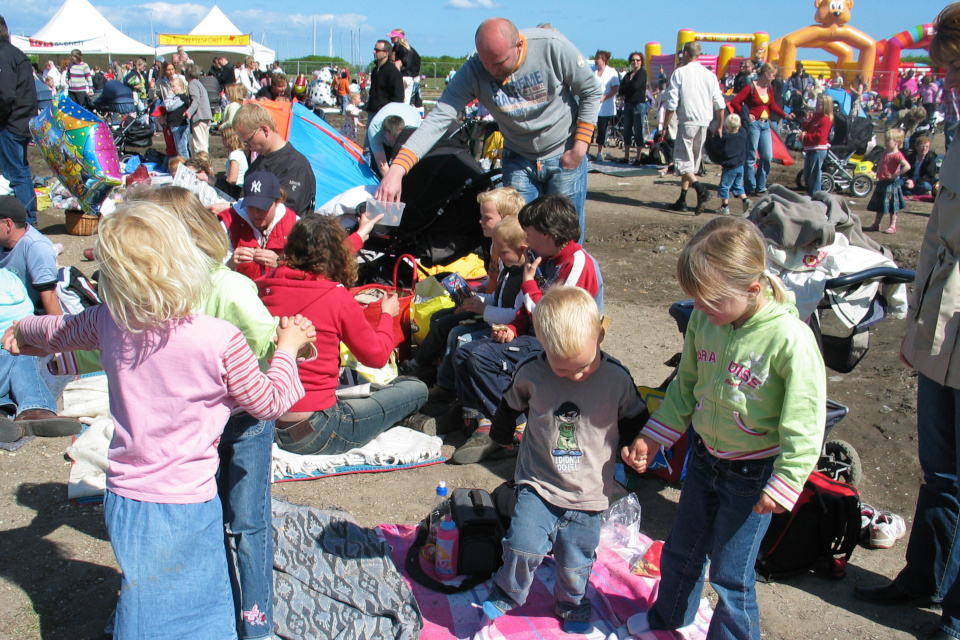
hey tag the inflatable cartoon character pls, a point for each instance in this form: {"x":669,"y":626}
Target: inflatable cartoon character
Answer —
{"x":832,"y":34}
{"x":567,"y":416}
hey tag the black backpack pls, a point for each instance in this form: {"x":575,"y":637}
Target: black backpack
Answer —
{"x":481,"y":530}
{"x":820,"y":533}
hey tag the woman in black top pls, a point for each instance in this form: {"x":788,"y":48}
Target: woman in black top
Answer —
{"x":633,"y":90}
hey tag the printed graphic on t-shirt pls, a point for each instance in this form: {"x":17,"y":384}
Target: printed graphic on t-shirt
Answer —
{"x":567,"y":454}
{"x":521,"y":94}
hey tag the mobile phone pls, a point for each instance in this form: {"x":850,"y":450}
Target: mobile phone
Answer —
{"x":530,"y":255}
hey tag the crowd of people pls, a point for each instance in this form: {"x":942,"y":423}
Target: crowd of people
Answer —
{"x":255,"y":296}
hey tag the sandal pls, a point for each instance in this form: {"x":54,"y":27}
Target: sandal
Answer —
{"x":890,"y":229}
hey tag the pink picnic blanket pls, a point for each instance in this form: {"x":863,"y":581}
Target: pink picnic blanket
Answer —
{"x":616,"y":595}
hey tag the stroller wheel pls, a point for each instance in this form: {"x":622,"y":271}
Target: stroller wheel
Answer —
{"x":861,"y":186}
{"x":840,"y":461}
{"x":801,"y":183}
{"x":826,"y":182}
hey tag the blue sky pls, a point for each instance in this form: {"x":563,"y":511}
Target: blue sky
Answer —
{"x":438,"y":27}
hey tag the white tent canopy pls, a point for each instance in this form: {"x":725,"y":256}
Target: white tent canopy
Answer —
{"x":77,"y":25}
{"x":216,"y":23}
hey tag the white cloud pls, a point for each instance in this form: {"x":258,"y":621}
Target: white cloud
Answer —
{"x":472,"y":4}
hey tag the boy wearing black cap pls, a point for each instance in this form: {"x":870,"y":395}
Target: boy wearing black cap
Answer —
{"x":258,"y":225}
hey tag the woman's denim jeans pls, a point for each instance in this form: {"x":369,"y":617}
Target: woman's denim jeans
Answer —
{"x":635,"y":125}
{"x":352,"y":423}
{"x":755,"y":179}
{"x":715,"y":520}
{"x":243,"y":483}
{"x":537,"y":528}
{"x":933,"y":552}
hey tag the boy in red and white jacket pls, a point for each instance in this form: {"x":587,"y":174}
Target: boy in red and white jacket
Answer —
{"x":485,"y":367}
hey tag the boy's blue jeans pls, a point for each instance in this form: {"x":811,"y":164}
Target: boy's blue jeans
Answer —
{"x":485,"y":369}
{"x":731,"y":181}
{"x":715,"y":520}
{"x":243,"y":483}
{"x":537,"y":528}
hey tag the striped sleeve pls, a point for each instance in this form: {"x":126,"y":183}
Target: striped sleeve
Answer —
{"x":661,"y":433}
{"x":584,"y":132}
{"x":266,"y":396}
{"x":406,"y":159}
{"x":781,"y":492}
{"x":63,"y":333}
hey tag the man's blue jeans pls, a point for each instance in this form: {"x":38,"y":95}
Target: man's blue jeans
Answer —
{"x":352,"y":423}
{"x":813,"y":170}
{"x":22,"y":386}
{"x":538,"y":528}
{"x":933,"y":552}
{"x":949,"y":131}
{"x":243,"y":483}
{"x":15,"y":167}
{"x":715,"y":520}
{"x":546,"y":177}
{"x":755,"y":179}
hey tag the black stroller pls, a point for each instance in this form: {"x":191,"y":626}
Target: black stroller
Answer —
{"x":842,"y":353}
{"x":851,"y":135}
{"x":441,"y":221}
{"x":127,"y":120}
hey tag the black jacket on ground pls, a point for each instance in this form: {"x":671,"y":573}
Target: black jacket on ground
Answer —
{"x":18,"y":93}
{"x":386,"y":86}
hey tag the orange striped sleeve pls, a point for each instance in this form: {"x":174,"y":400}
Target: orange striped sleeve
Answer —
{"x":406,"y":159}
{"x":584,"y":132}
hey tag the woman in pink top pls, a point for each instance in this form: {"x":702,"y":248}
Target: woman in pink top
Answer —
{"x":174,"y":378}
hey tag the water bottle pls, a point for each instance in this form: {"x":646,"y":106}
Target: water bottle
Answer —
{"x":445,"y":558}
{"x":438,"y":500}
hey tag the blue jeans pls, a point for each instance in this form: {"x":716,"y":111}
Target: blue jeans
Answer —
{"x":459,"y":336}
{"x":352,"y":423}
{"x":715,"y":520}
{"x":731,"y":180}
{"x":920,"y":187}
{"x":949,"y":131}
{"x":933,"y":552}
{"x":174,"y":581}
{"x":16,"y":168}
{"x":813,"y":170}
{"x":755,"y":179}
{"x":485,"y":369}
{"x":243,"y":484}
{"x":181,"y":136}
{"x":22,"y":386}
{"x":538,"y":528}
{"x":534,"y":179}
{"x":635,"y":124}
{"x":344,"y":101}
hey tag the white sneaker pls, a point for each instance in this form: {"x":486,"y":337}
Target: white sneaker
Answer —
{"x":886,"y":529}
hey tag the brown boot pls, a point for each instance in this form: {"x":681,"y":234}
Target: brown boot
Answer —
{"x":46,"y":424}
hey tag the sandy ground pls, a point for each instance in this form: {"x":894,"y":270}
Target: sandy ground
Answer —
{"x":58,"y":576}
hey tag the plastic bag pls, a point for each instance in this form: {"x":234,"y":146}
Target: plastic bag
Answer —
{"x":620,"y":524}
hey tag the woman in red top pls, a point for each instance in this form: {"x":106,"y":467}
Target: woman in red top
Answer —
{"x":816,"y":141}
{"x":319,"y":268}
{"x":759,"y":99}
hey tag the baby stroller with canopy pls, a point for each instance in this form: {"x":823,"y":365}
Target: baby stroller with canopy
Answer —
{"x":125,"y":116}
{"x":851,"y":136}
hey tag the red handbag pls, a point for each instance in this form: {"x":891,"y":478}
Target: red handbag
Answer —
{"x":401,"y":323}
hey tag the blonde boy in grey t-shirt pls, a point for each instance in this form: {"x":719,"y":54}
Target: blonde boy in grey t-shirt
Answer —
{"x":580,"y":404}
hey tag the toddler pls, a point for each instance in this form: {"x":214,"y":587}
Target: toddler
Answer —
{"x":888,"y":195}
{"x":579,"y":401}
{"x":351,"y":117}
{"x":733,"y":149}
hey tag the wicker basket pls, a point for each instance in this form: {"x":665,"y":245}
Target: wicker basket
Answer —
{"x":80,"y":223}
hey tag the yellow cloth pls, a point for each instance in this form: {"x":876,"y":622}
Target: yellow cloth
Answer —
{"x":470,"y":267}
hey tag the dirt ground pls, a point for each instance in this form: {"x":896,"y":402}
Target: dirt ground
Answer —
{"x":59,"y":579}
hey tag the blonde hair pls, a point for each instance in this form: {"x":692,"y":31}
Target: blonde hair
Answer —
{"x":231,"y":140}
{"x":827,"y":103}
{"x":354,"y":96}
{"x":203,"y":226}
{"x":945,"y":44}
{"x":200,"y":162}
{"x":723,"y":259}
{"x":236,"y":92}
{"x":174,"y":163}
{"x":896,"y":134}
{"x":151,"y":270}
{"x":507,"y":200}
{"x":509,"y":232}
{"x":252,"y":116}
{"x":732,"y":123}
{"x":566,"y":321}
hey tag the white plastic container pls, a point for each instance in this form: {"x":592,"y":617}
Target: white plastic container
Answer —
{"x":392,"y":212}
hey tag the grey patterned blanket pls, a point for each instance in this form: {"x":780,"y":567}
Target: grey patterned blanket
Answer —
{"x":335,"y":580}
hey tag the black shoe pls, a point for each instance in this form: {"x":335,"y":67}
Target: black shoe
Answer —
{"x":680,"y":206}
{"x":885,"y":595}
{"x":940,"y":634}
{"x":703,"y":196}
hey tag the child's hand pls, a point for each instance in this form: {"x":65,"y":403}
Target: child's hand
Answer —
{"x":391,"y":304}
{"x":366,"y":225}
{"x":767,"y":505}
{"x":472,"y":305}
{"x":530,"y":269}
{"x":637,"y":454}
{"x":503,"y":334}
{"x":14,"y":343}
{"x":294,"y":333}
